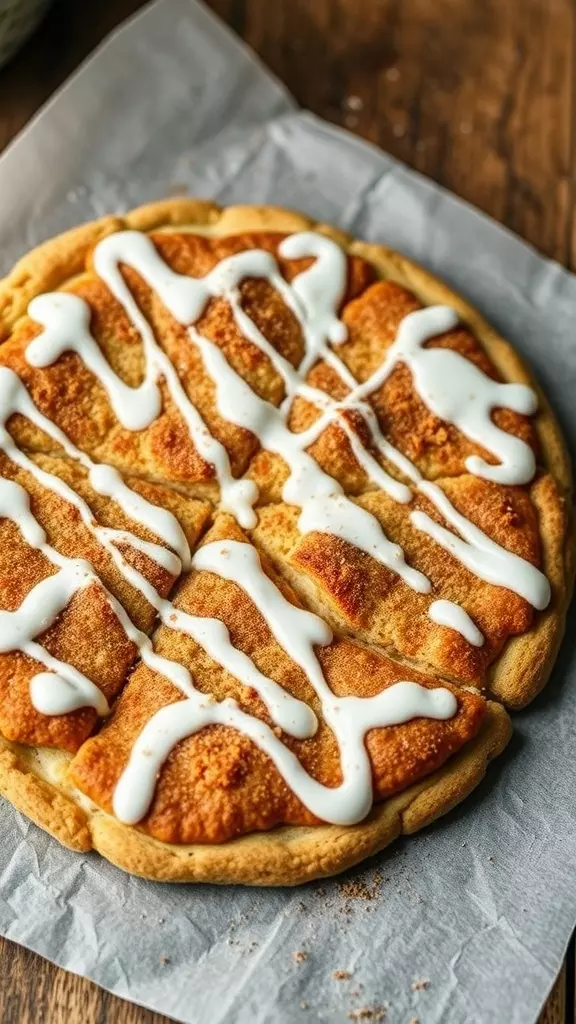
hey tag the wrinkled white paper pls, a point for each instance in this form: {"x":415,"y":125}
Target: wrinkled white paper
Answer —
{"x":482,"y":904}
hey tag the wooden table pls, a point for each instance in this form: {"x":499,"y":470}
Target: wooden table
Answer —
{"x":477,"y":95}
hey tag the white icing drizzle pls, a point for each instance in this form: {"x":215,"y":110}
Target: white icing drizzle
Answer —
{"x":446,"y":613}
{"x":71,"y":689}
{"x":342,"y":805}
{"x":183,"y":296}
{"x":479,"y":553}
{"x":458,"y":392}
{"x":295,"y":385}
{"x":41,"y":607}
{"x":297,"y":631}
{"x":65,"y":329}
{"x":293,"y":716}
{"x":451,"y":386}
{"x":341,"y":518}
{"x":15,"y":395}
{"x":68,"y":688}
{"x":324,"y":505}
{"x":308,"y":486}
{"x":64,"y":689}
{"x":320,"y":290}
{"x":236,"y":401}
{"x":66,"y":322}
{"x":105,"y":480}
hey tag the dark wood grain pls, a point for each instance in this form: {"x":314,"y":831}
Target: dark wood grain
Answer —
{"x":477,"y":94}
{"x":34,"y":992}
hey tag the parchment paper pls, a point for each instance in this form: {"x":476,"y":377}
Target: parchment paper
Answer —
{"x":481,"y":905}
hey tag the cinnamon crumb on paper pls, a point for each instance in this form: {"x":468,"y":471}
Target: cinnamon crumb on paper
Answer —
{"x":359,"y":890}
{"x":368,"y":1013}
{"x":299,"y":956}
{"x":421,"y":984}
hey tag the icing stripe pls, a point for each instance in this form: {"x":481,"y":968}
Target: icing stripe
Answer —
{"x":451,"y":387}
{"x":479,"y":553}
{"x":342,"y":805}
{"x":446,"y":613}
{"x":212,"y":635}
{"x":458,"y":392}
{"x":40,"y":609}
{"x":186,"y":299}
{"x":324,"y":505}
{"x":105,"y":480}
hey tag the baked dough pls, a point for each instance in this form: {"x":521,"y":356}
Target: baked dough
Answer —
{"x":221,"y":810}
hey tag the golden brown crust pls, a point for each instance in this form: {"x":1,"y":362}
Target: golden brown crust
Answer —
{"x":430,"y":290}
{"x":525,"y":664}
{"x":289,"y":855}
{"x":216,"y":784}
{"x":48,"y":266}
{"x":21,"y":783}
{"x":359,"y":596}
{"x":87,"y":634}
{"x":285,"y":856}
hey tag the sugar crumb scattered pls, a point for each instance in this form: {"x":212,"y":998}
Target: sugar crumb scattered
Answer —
{"x":359,"y":890}
{"x":420,"y":984}
{"x":303,"y":1004}
{"x":392,"y":75}
{"x":370,"y":1013}
{"x":164,"y":959}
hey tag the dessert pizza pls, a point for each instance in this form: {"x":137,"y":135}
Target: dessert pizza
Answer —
{"x":284,"y":527}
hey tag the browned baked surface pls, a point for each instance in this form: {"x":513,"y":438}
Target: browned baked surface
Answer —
{"x":217,"y":785}
{"x":87,"y":634}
